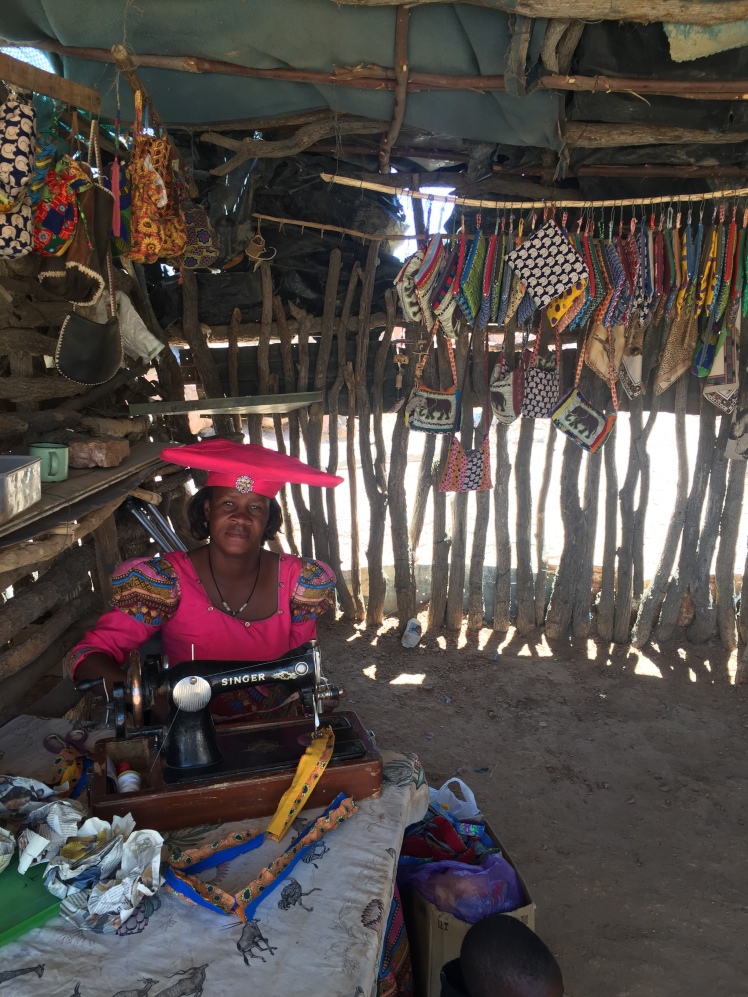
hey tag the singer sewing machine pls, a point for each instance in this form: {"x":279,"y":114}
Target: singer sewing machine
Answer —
{"x":194,"y":770}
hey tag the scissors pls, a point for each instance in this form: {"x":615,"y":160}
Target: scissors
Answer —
{"x":75,"y":739}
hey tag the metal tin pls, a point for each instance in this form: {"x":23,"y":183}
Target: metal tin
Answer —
{"x":20,"y":484}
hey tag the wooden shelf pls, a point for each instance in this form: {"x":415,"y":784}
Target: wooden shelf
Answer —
{"x":249,"y":404}
{"x":82,"y":484}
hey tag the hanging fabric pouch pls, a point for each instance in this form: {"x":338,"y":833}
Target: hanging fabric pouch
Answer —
{"x":426,"y":278}
{"x":506,"y":391}
{"x":577,"y":418}
{"x":471,"y":283}
{"x":542,"y":382}
{"x":405,"y":285}
{"x":17,"y":147}
{"x":722,"y":384}
{"x":630,"y":374}
{"x":117,"y":180}
{"x":547,"y":264}
{"x":597,"y":355}
{"x":87,"y":351}
{"x":201,"y":247}
{"x":430,"y":410}
{"x":467,"y":470}
{"x":443,"y":301}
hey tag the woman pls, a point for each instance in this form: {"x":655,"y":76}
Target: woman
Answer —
{"x":230,"y":598}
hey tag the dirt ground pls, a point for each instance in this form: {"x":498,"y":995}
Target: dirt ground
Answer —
{"x":619,"y":783}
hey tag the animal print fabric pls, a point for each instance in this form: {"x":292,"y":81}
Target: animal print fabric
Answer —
{"x":547,"y":264}
{"x":576,"y":418}
{"x":309,"y":933}
{"x":542,"y":386}
{"x":17,"y":149}
{"x":467,"y":470}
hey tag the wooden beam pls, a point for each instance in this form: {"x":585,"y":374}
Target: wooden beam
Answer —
{"x":28,"y":77}
{"x":108,"y":557}
{"x":401,"y":88}
{"x":255,"y":404}
{"x":381,"y":78}
{"x":26,"y":341}
{"x":590,"y":135}
{"x":701,"y":12}
{"x":635,"y":172}
{"x":734,"y":89}
{"x":402,"y":152}
{"x":127,"y":66}
{"x":515,"y":77}
{"x":37,"y":389}
{"x":459,"y":182}
{"x":559,"y":42}
{"x":250,"y":148}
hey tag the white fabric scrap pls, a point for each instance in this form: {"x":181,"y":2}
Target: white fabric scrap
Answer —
{"x":7,"y":847}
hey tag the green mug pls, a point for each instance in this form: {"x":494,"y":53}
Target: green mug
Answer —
{"x":54,"y":457}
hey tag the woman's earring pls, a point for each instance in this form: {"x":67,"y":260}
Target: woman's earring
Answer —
{"x":205,"y":522}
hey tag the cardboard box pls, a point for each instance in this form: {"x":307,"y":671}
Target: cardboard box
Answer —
{"x":435,"y":937}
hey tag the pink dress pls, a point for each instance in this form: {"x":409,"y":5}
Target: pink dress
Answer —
{"x":165,"y":593}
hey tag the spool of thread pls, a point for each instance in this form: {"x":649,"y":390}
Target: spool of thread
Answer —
{"x":128,"y":780}
{"x":123,"y":767}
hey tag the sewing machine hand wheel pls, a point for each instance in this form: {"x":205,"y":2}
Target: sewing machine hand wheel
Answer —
{"x":134,"y":689}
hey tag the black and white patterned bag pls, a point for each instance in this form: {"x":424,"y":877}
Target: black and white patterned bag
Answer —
{"x":542,"y":385}
{"x":17,"y":150}
{"x":547,"y":264}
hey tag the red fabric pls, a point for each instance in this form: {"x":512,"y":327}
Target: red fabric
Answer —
{"x":247,"y":466}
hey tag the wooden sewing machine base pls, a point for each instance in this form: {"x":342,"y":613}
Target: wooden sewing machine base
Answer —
{"x":259,"y":763}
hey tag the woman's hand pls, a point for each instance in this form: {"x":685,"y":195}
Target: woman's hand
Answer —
{"x":98,"y":665}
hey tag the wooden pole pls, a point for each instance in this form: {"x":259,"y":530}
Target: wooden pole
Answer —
{"x":606,"y":605}
{"x":356,"y":591}
{"x":540,"y":552}
{"x":724,"y":570}
{"x":254,"y":422}
{"x":458,"y":552}
{"x":699,"y":583}
{"x":649,"y":603}
{"x":289,"y":383}
{"x":203,"y":358}
{"x":316,"y":415}
{"x":522,"y":481}
{"x":401,"y":88}
{"x":232,"y":361}
{"x":405,"y":578}
{"x":680,"y":581}
{"x":476,"y":612}
{"x":347,"y":603}
{"x":503,"y":572}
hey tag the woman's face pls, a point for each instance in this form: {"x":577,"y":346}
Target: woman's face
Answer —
{"x":237,"y":520}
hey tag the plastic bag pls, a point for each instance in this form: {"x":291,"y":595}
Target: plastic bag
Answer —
{"x":469,"y":892}
{"x":462,"y":809}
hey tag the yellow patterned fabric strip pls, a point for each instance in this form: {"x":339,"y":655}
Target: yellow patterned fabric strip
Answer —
{"x":311,"y":766}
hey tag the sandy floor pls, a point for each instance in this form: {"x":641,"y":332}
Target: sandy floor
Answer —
{"x":619,"y":784}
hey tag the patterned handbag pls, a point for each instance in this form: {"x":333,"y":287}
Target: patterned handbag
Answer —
{"x":506,"y":391}
{"x":578,"y":419}
{"x":721,"y":387}
{"x":430,"y":410}
{"x":443,"y":301}
{"x":547,"y":264}
{"x":468,"y":470}
{"x":542,"y":381}
{"x":201,"y":247}
{"x":426,"y":279}
{"x":405,"y":285}
{"x":470,"y":292}
{"x":17,"y":148}
{"x":630,"y":374}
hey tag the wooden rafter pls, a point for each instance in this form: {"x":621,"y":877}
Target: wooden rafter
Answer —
{"x":634,"y":172}
{"x":401,"y":88}
{"x":127,"y":66}
{"x":27,"y":77}
{"x":381,"y":78}
{"x":590,"y":135}
{"x":702,"y":12}
{"x":515,"y":78}
{"x":307,"y":135}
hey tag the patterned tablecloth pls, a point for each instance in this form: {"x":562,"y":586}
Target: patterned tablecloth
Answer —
{"x":321,"y":930}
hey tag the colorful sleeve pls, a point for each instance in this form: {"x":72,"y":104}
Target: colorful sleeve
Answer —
{"x":146,"y":595}
{"x":314,"y":591}
{"x":147,"y":591}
